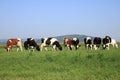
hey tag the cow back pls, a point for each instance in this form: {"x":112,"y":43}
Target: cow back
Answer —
{"x":12,"y":42}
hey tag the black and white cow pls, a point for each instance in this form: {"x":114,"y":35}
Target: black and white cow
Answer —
{"x":106,"y":42}
{"x":50,"y":42}
{"x":88,"y":42}
{"x":97,"y":42}
{"x":30,"y":44}
{"x":71,"y":43}
{"x":75,"y":42}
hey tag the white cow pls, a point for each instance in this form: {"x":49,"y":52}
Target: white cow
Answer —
{"x":114,"y":43}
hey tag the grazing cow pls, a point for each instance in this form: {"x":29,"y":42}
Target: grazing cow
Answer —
{"x":88,"y":42}
{"x":97,"y":42}
{"x":106,"y":42}
{"x":114,"y":43}
{"x":70,"y":43}
{"x":13,"y":42}
{"x":31,"y":45}
{"x":50,"y":42}
{"x":75,"y":43}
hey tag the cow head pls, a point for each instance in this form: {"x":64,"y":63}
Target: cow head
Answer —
{"x":60,"y":48}
{"x":106,"y":46}
{"x":37,"y":48}
{"x":8,"y":48}
{"x":57,"y":44}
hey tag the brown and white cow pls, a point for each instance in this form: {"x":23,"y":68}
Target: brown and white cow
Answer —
{"x":71,"y":43}
{"x":13,"y":42}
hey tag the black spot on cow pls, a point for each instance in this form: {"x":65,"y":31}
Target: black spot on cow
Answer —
{"x":48,"y":41}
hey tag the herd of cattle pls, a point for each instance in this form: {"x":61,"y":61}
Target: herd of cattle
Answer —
{"x":31,"y":45}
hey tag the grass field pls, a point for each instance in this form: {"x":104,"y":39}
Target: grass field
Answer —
{"x":60,"y":65}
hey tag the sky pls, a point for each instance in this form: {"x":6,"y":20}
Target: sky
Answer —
{"x":47,"y":18}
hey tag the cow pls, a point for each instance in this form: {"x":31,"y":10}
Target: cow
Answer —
{"x":106,"y":42}
{"x":88,"y":42}
{"x":75,"y":43}
{"x":14,"y":42}
{"x":96,"y":42}
{"x":50,"y":42}
{"x":70,"y":43}
{"x":30,"y":44}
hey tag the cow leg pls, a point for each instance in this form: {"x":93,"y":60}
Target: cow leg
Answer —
{"x":107,"y":46}
{"x":41,"y":47}
{"x":21,"y":48}
{"x":17,"y":48}
{"x":78,"y":46}
{"x":95,"y":47}
{"x":46,"y":49}
{"x":70,"y":47}
{"x":87,"y":46}
{"x":75,"y":47}
{"x":54,"y":47}
{"x":91,"y":46}
{"x":116,"y":45}
{"x":8,"y":49}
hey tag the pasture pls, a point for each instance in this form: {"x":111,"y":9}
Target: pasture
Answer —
{"x":78,"y":64}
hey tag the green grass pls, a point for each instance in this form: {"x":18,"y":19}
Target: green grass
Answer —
{"x":60,"y":65}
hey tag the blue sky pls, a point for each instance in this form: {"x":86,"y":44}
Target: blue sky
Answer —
{"x":46,"y":18}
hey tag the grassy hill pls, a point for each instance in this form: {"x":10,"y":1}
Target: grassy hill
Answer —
{"x":60,"y":38}
{"x":80,"y":37}
{"x":78,"y":64}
